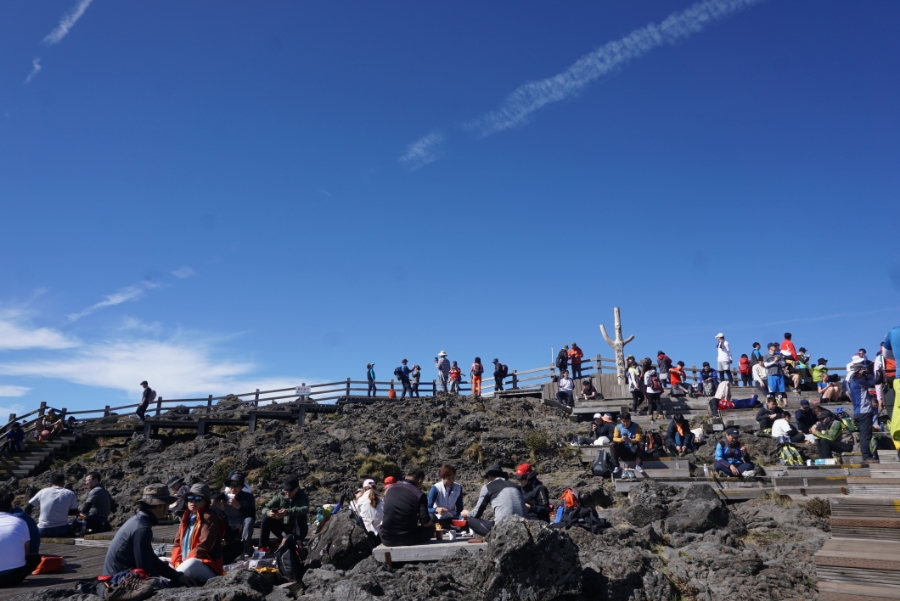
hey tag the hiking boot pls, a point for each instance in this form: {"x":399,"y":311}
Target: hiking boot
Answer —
{"x":639,"y":469}
{"x":749,"y":474}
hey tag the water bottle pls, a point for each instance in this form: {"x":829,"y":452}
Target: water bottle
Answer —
{"x":706,"y":471}
{"x":83,"y":528}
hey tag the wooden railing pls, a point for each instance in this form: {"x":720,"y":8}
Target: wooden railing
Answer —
{"x":528,"y":379}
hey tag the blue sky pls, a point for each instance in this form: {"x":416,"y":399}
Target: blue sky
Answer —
{"x":222,"y":196}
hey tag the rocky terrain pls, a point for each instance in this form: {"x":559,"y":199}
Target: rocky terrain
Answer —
{"x":664,"y":544}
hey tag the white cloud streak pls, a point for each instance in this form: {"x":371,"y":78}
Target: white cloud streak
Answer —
{"x":35,"y":69}
{"x":7,"y":390}
{"x":66,"y":23}
{"x":183,"y":273}
{"x":131,"y":293}
{"x":15,"y":334}
{"x":423,"y":151}
{"x":519,"y":106}
{"x":6,"y":410}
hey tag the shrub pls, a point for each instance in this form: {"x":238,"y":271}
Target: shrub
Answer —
{"x":377,"y":465}
{"x":819,"y":508}
{"x":474,"y":453}
{"x":537,"y":441}
{"x":219,"y":473}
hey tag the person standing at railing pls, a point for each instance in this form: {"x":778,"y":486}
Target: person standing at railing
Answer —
{"x":500,"y":372}
{"x":443,"y":367}
{"x":455,"y":377}
{"x":562,"y":358}
{"x":476,"y":373}
{"x":664,"y":364}
{"x":723,"y":358}
{"x":575,"y":355}
{"x":146,"y":398}
{"x":415,"y":376}
{"x":370,"y":376}
{"x":402,"y":374}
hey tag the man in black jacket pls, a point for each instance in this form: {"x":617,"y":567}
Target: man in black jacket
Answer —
{"x":534,"y":493}
{"x":603,"y":425}
{"x":767,"y":415}
{"x":406,"y":519}
{"x":240,"y":508}
{"x":132,"y":547}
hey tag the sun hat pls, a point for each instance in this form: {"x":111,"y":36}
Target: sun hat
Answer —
{"x":720,"y":335}
{"x":494,"y":470}
{"x":369,"y":483}
{"x":200,"y":489}
{"x":157,"y":494}
{"x":175,"y":481}
{"x":597,"y":416}
{"x":442,"y":354}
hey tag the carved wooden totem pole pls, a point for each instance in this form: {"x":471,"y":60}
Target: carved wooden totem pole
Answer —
{"x":618,"y":345}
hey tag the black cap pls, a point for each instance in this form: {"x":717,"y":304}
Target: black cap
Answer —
{"x":236,"y":479}
{"x":804,"y":403}
{"x":290,"y":484}
{"x":144,"y":383}
{"x":174,"y":481}
{"x":494,"y":470}
{"x":733,"y":432}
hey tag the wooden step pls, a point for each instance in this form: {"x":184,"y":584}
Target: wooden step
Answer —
{"x":839,"y":591}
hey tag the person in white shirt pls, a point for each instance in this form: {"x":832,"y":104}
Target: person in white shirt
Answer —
{"x":782,"y":430}
{"x":57,"y":504}
{"x":565,"y":396}
{"x":16,"y":560}
{"x":370,"y":508}
{"x":761,"y":377}
{"x":723,"y":357}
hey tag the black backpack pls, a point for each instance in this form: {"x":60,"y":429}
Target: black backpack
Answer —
{"x":562,"y":360}
{"x":398,"y":373}
{"x":603,"y":465}
{"x":504,"y":370}
{"x":583,"y":517}
{"x":289,"y":558}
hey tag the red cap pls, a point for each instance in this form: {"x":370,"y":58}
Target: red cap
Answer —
{"x":524,"y":469}
{"x":390,"y":480}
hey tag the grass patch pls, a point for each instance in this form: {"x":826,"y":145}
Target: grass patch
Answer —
{"x":270,"y":471}
{"x":819,"y":508}
{"x":537,"y":441}
{"x":474,"y":453}
{"x":219,"y":473}
{"x":377,"y":466}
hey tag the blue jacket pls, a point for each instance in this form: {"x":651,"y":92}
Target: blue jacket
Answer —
{"x":730,"y":455}
{"x":859,"y":394}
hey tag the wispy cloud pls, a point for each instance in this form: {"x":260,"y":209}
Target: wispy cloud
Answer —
{"x":17,"y":334}
{"x":35,"y":69}
{"x":137,"y":325}
{"x":131,"y":293}
{"x":423,"y":151}
{"x":66,"y":23}
{"x":7,"y":390}
{"x":523,"y":102}
{"x":6,"y":410}
{"x":183,"y":273}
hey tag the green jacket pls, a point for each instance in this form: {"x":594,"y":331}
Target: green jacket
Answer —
{"x":816,"y":373}
{"x":834,"y":432}
{"x":296,"y":507}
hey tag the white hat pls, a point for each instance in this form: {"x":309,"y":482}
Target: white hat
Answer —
{"x":369,"y":483}
{"x":720,"y":335}
{"x":442,"y":354}
{"x":597,"y":416}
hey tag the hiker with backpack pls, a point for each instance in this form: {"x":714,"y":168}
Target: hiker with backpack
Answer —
{"x":370,"y":377}
{"x":455,"y":376}
{"x":723,"y":358}
{"x":831,"y":434}
{"x":147,"y":397}
{"x":654,"y":389}
{"x":504,"y":497}
{"x":709,"y":380}
{"x":746,"y":370}
{"x":663,"y":364}
{"x":562,"y":358}
{"x":633,"y":376}
{"x":731,"y":457}
{"x":476,"y":372}
{"x":575,"y":356}
{"x":443,"y":368}
{"x":534,"y":493}
{"x":627,"y":444}
{"x":415,"y":376}
{"x":402,"y":373}
{"x":500,"y":372}
{"x":679,"y":438}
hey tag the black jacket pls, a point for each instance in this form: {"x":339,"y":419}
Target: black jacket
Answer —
{"x":762,"y":416}
{"x":602,"y":429}
{"x":671,"y":430}
{"x":538,"y":500}
{"x":132,"y":547}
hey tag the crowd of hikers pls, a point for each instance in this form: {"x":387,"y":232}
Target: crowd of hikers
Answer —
{"x":216,"y":528}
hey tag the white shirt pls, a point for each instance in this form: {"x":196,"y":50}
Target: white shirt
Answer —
{"x":55,"y":503}
{"x":780,"y":428}
{"x":760,"y":375}
{"x":371,"y":516}
{"x":723,"y":351}
{"x":566,"y":384}
{"x":13,"y":536}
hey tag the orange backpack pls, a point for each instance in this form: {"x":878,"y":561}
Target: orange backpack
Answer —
{"x":569,"y":499}
{"x":392,"y":394}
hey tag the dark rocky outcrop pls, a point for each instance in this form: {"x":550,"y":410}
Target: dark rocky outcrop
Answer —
{"x":342,"y":543}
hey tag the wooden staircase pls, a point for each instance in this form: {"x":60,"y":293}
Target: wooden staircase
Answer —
{"x":36,"y":455}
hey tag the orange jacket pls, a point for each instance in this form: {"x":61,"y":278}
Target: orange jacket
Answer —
{"x":206,"y":540}
{"x":575,"y":356}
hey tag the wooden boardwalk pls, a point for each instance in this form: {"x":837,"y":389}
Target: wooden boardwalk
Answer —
{"x":82,"y":562}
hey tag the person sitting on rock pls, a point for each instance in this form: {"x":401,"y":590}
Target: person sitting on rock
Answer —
{"x":829,"y":392}
{"x":566,"y":390}
{"x":588,"y":392}
{"x":197,"y":550}
{"x":830,"y":435}
{"x":731,"y":457}
{"x":805,"y":417}
{"x":782,"y":430}
{"x":286,"y":513}
{"x":232,"y":545}
{"x":603,"y":426}
{"x":504,"y":497}
{"x":534,"y":493}
{"x":370,"y":508}
{"x":445,"y":499}
{"x":94,"y":514}
{"x":18,"y":560}
{"x":406,"y":519}
{"x":627,"y":444}
{"x":767,"y":415}
{"x":56,"y":503}
{"x":132,"y":546}
{"x":179,"y":490}
{"x":679,"y":438}
{"x":240,"y":509}
{"x":708,"y":379}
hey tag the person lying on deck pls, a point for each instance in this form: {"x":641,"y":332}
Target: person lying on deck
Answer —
{"x":504,"y":497}
{"x":722,"y":401}
{"x":731,"y":458}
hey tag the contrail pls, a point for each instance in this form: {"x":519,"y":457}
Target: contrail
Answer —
{"x":423,"y":151}
{"x":35,"y":69}
{"x":67,"y":22}
{"x":528,"y":98}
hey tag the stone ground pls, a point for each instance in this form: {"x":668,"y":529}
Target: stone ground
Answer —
{"x":664,"y":544}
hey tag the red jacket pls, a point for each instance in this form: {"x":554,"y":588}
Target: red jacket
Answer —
{"x":744,"y":365}
{"x":575,"y":355}
{"x":206,"y":541}
{"x":787,"y":348}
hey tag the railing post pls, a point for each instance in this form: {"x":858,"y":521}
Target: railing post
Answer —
{"x":12,"y":417}
{"x":62,"y":413}
{"x":515,"y":380}
{"x":256,"y":399}
{"x":348,"y":387}
{"x":209,"y":405}
{"x":599,"y":365}
{"x":42,"y":409}
{"x":392,"y":384}
{"x":158,"y":406}
{"x":106,"y":411}
{"x":434,"y":388}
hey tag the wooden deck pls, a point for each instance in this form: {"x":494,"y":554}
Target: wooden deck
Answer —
{"x":433,"y":550}
{"x":82,"y":562}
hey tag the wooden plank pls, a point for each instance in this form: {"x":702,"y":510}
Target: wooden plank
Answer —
{"x":433,"y":550}
{"x":839,"y":591}
{"x":81,"y":563}
{"x":866,"y":522}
